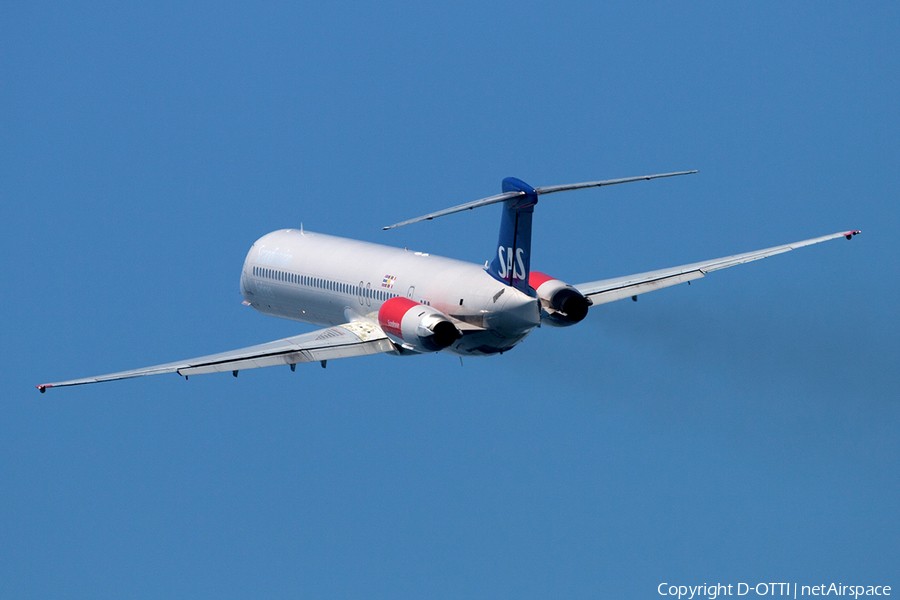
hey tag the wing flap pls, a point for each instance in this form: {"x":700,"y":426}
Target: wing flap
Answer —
{"x":290,"y":358}
{"x":633,"y":289}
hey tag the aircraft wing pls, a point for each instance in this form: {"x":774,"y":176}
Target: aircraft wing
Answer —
{"x":357,"y":338}
{"x":608,"y":290}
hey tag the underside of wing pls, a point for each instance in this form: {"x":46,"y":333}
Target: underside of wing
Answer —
{"x":357,"y":338}
{"x":608,"y":290}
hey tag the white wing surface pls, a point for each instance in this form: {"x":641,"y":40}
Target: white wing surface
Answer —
{"x":608,"y":290}
{"x":358,"y":338}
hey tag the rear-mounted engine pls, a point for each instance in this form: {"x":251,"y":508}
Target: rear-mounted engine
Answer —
{"x":561,"y":304}
{"x":416,"y":326}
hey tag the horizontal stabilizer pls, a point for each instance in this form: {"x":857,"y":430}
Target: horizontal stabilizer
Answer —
{"x":551,"y":189}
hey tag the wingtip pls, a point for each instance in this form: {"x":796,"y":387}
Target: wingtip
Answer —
{"x":43,"y":387}
{"x":849,"y":235}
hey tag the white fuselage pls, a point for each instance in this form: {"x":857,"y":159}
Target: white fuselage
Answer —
{"x":327,"y":280}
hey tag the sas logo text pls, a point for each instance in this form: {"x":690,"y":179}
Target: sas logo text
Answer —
{"x":506,"y":262}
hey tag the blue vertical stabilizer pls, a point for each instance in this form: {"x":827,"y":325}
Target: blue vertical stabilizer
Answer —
{"x":512,"y":259}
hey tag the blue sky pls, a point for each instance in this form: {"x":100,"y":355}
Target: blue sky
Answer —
{"x":740,"y":429}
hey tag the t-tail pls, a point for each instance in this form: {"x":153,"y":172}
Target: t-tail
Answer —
{"x":511,"y":263}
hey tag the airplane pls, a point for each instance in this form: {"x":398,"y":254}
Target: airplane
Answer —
{"x":374,"y":299}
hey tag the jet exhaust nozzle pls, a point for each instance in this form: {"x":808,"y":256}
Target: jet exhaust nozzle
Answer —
{"x":561,"y":304}
{"x":423,"y":328}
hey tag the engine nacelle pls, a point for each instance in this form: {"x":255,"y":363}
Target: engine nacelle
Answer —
{"x":561,"y":304}
{"x":416,"y":326}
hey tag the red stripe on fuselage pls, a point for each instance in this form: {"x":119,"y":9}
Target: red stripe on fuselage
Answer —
{"x":391,"y":313}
